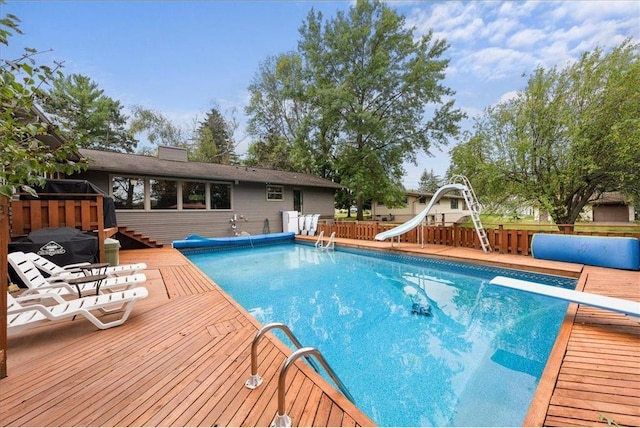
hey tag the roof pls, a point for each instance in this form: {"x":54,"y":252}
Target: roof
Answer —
{"x":51,"y":136}
{"x":609,"y":198}
{"x":125,"y":163}
{"x":417,"y":194}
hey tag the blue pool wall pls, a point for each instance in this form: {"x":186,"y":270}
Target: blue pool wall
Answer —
{"x":604,"y":251}
{"x":195,"y":243}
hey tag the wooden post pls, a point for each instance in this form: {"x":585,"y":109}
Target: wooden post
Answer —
{"x":101,"y":235}
{"x":4,"y":274}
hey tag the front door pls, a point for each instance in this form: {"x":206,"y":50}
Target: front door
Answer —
{"x":297,"y":200}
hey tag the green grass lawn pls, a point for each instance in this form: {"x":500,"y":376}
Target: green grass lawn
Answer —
{"x":491,"y":221}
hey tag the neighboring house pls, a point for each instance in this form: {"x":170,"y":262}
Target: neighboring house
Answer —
{"x":449,"y":209}
{"x":610,"y":207}
{"x":167,"y":197}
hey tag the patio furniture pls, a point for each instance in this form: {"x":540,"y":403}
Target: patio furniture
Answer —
{"x":36,"y":283}
{"x":314,"y":225}
{"x":80,"y":269}
{"x":21,"y":317}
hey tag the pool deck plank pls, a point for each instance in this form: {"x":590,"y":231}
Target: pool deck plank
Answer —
{"x":183,"y":357}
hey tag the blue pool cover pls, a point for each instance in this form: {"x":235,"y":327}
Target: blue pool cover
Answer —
{"x":196,"y":241}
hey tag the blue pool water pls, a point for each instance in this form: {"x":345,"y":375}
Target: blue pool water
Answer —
{"x":475,"y":361}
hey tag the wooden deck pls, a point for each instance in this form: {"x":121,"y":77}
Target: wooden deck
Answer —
{"x":183,"y":357}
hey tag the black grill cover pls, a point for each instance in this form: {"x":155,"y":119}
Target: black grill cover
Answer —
{"x":60,"y":189}
{"x":62,"y":245}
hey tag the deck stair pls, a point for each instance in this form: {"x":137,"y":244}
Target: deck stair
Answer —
{"x":474,"y":208}
{"x":138,"y":237}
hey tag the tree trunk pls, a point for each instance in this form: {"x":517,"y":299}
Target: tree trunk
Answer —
{"x":360,"y":205}
{"x":4,"y":274}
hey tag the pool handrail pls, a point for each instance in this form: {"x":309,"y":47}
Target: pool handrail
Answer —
{"x":255,"y":380}
{"x":282,"y":419}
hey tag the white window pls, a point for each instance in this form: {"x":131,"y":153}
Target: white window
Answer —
{"x":275,"y":193}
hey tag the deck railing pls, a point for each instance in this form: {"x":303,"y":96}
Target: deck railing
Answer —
{"x":79,"y":211}
{"x":503,"y":240}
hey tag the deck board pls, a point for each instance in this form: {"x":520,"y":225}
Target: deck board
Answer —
{"x":183,"y":357}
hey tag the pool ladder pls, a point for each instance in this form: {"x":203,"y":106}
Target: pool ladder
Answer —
{"x":474,"y":208}
{"x":282,"y":419}
{"x":330,"y":245}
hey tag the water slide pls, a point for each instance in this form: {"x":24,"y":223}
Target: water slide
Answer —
{"x":417,"y":220}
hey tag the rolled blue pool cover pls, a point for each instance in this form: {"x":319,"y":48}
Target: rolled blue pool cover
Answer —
{"x":196,"y":241}
{"x":604,"y":251}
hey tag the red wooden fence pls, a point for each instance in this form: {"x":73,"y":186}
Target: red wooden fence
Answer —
{"x":502,"y":240}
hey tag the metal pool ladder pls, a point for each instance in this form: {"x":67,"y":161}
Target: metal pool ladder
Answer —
{"x":255,"y":380}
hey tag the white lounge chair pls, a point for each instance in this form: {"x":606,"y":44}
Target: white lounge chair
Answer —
{"x":314,"y":224}
{"x":627,"y":307}
{"x":307,"y":224}
{"x":36,"y":283}
{"x":76,"y":270}
{"x":21,"y":317}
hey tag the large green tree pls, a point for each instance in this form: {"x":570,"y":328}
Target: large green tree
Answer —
{"x":380,"y":86}
{"x":77,"y":105}
{"x":362,"y":95}
{"x":569,"y":135}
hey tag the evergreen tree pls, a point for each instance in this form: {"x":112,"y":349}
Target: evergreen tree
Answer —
{"x":215,"y":140}
{"x":77,"y":105}
{"x":429,"y":182}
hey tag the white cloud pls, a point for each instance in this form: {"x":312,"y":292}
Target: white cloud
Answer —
{"x":526,"y":38}
{"x":507,"y":96}
{"x":496,"y":63}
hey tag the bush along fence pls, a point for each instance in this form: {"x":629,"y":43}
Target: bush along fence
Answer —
{"x":503,"y":240}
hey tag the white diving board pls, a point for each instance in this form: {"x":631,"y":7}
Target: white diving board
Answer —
{"x":627,"y":307}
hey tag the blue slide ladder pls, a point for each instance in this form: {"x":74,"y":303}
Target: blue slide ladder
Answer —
{"x":474,"y":208}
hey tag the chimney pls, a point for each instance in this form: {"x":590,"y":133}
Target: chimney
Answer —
{"x":172,"y":153}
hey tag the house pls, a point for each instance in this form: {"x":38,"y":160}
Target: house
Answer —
{"x":610,"y":207}
{"x":167,"y":197}
{"x":606,"y":207}
{"x":450,"y":208}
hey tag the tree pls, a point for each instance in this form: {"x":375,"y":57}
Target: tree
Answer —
{"x":215,"y":139}
{"x":77,"y":105}
{"x":159,"y":130}
{"x":429,"y":182}
{"x":359,"y":97}
{"x":372,"y":84}
{"x":277,"y":111}
{"x":25,"y":157}
{"x":568,"y":136}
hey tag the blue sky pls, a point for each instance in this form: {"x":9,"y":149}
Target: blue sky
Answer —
{"x":181,"y":58}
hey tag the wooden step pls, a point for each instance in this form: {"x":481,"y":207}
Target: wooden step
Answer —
{"x":139,"y":237}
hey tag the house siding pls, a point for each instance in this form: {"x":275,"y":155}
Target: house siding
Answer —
{"x":249,"y":204}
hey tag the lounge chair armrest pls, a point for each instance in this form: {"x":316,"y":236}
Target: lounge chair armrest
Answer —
{"x":36,"y":307}
{"x":48,"y":286}
{"x":27,"y":297}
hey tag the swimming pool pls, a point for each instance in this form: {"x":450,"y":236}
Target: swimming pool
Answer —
{"x":475,"y":361}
